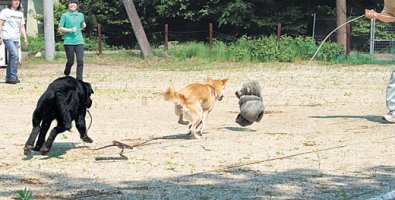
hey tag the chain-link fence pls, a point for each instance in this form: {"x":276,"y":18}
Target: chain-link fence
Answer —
{"x":366,"y":36}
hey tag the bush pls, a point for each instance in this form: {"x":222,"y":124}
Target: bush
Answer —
{"x":330,"y":51}
{"x":262,"y":49}
{"x":36,"y":44}
{"x":189,"y":50}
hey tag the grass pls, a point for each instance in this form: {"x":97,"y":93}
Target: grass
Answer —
{"x":24,"y":195}
{"x":91,"y":58}
{"x":190,"y":57}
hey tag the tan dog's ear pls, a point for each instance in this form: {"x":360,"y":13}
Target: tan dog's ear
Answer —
{"x":209,"y":79}
{"x":224,"y":81}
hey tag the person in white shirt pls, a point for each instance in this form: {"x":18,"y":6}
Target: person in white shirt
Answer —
{"x":11,"y":27}
{"x":387,"y":15}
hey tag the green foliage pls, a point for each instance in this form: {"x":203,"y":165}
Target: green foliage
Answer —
{"x":237,"y":13}
{"x":330,"y":51}
{"x":91,"y":44}
{"x":241,"y":50}
{"x":262,"y":49}
{"x":287,"y":50}
{"x":189,"y":50}
{"x":233,"y":17}
{"x":359,"y":58}
{"x":362,"y":28}
{"x":218,"y":51}
{"x":265,"y":49}
{"x":24,"y":195}
{"x":36,"y":44}
{"x":58,"y":10}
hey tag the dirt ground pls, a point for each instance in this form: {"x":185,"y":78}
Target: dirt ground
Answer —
{"x":322,"y":137}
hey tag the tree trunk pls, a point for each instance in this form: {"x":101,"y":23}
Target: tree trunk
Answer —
{"x":138,"y":28}
{"x":340,"y":20}
{"x":49,"y":32}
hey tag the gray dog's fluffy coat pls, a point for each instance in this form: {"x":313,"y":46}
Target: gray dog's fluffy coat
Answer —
{"x":251,"y":104}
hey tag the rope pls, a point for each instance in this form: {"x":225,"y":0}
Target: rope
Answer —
{"x":331,"y":34}
{"x":90,"y":124}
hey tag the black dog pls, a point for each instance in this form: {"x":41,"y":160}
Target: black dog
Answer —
{"x":66,"y":99}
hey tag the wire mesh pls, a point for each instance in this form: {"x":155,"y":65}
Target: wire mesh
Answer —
{"x":381,"y":36}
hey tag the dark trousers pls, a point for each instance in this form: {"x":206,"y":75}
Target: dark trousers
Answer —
{"x":79,"y":52}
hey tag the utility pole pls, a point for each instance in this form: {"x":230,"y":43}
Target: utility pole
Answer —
{"x":49,"y":33}
{"x":138,"y":28}
{"x":341,"y":19}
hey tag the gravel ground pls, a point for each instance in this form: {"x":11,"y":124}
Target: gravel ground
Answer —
{"x":322,"y":137}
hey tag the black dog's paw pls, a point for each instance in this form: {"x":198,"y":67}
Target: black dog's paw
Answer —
{"x":44,"y":151}
{"x":27,"y":149}
{"x":87,"y":139}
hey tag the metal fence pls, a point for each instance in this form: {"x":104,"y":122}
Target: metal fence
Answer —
{"x":368,"y":41}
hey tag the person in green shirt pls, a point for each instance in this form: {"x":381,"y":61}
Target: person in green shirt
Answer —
{"x":71,"y":24}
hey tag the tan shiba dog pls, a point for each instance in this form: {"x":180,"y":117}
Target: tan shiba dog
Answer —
{"x":195,"y":101}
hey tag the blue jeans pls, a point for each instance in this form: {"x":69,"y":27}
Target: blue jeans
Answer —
{"x":12,"y":66}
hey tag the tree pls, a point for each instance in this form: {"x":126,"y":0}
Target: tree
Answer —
{"x":138,"y":28}
{"x":340,"y":20}
{"x":49,"y":33}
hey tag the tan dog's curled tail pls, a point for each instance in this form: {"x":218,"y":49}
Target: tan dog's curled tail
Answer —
{"x":170,"y":94}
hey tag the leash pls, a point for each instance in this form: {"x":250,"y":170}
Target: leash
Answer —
{"x":90,"y":124}
{"x":115,"y":143}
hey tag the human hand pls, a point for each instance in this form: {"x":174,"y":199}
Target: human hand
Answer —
{"x":74,"y":29}
{"x":371,"y":14}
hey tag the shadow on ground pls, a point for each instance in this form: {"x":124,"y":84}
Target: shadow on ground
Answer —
{"x":57,"y":150}
{"x":245,"y":183}
{"x":239,"y":129}
{"x":372,"y":118}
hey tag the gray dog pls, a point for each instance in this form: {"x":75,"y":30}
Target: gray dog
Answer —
{"x":251,"y":104}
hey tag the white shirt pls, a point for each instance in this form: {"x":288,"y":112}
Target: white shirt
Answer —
{"x":13,"y":20}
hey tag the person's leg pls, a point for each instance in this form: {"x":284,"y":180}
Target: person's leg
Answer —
{"x":390,"y":98}
{"x":79,"y":51}
{"x":12,"y":66}
{"x":69,"y":49}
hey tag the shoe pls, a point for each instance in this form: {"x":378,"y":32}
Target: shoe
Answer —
{"x":390,"y":116}
{"x":12,"y":81}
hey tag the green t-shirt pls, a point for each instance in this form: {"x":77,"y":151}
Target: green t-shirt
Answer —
{"x":70,"y":20}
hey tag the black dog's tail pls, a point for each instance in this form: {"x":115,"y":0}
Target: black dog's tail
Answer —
{"x":61,"y":104}
{"x":36,"y":118}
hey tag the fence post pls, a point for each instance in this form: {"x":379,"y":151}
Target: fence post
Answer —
{"x":99,"y":38}
{"x":348,"y":33}
{"x":372,"y":35}
{"x":166,"y":37}
{"x":278,"y":32}
{"x":211,"y":35}
{"x":313,"y":31}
